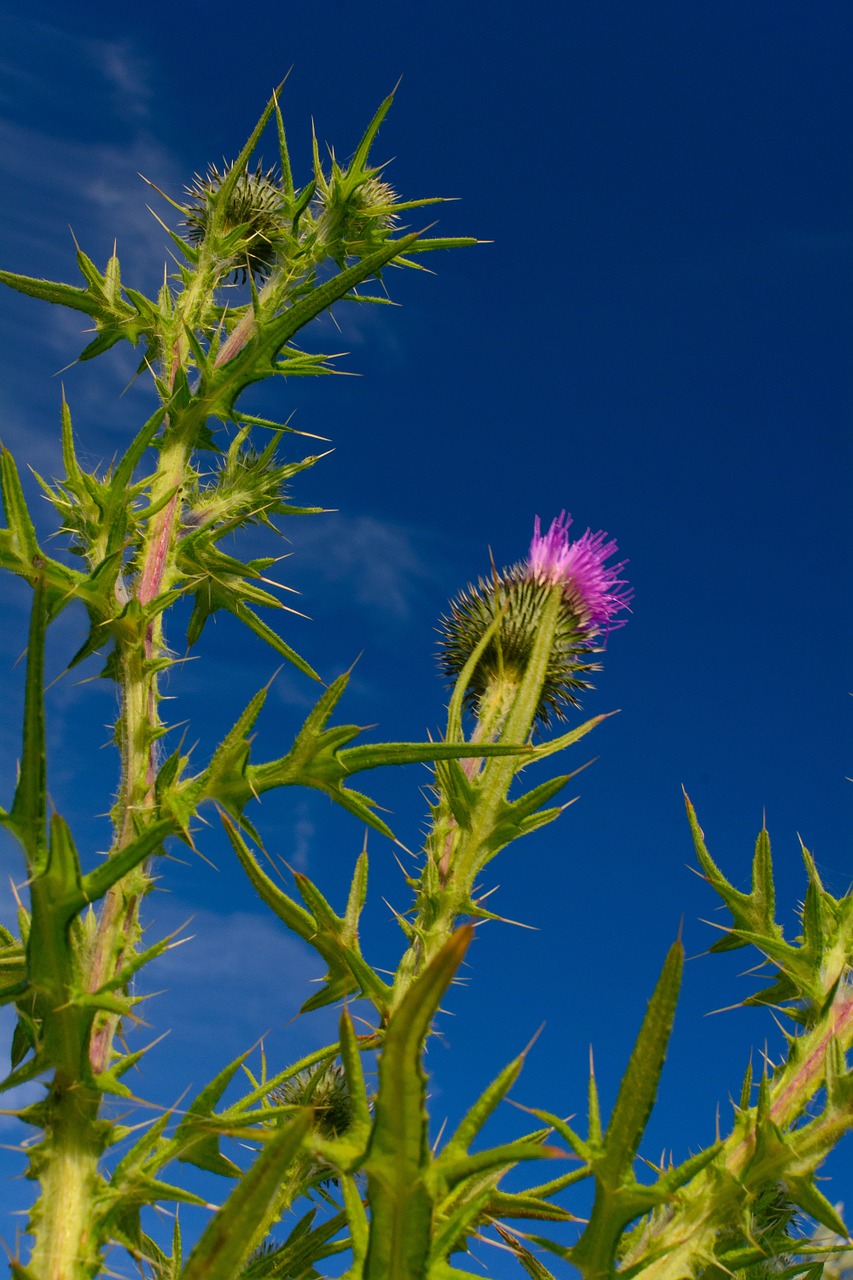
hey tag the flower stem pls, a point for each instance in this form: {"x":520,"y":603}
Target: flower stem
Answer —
{"x":138,"y":651}
{"x":455,"y":855}
{"x":67,"y":1165}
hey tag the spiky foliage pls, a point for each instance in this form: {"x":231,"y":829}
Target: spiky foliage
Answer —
{"x":146,"y":534}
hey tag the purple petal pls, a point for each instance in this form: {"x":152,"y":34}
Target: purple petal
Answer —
{"x":593,"y":589}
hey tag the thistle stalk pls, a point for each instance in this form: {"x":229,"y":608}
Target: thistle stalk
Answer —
{"x":68,"y":1172}
{"x":766,"y":1147}
{"x":138,"y":649}
{"x":519,"y":646}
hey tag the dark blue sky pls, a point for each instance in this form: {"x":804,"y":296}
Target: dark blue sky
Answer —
{"x":655,"y":337}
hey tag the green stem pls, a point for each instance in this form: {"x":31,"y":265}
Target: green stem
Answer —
{"x":139,"y":727}
{"x":455,"y":856}
{"x":67,"y":1166}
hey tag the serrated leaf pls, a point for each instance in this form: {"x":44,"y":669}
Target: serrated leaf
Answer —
{"x":531,"y":1264}
{"x":197,"y":1136}
{"x":813,"y":1202}
{"x":638,"y":1089}
{"x":65,"y":295}
{"x":471,"y":1124}
{"x":327,"y":933}
{"x":27,"y":817}
{"x":227,"y":1239}
{"x":96,"y":883}
{"x":401,"y":1207}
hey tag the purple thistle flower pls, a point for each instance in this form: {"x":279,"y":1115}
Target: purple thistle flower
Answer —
{"x":593,"y":590}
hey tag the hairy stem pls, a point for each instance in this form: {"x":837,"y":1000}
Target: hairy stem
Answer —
{"x":67,"y":1166}
{"x":138,"y":732}
{"x":456,"y":855}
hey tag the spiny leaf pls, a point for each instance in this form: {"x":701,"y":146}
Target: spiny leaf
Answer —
{"x":348,"y":972}
{"x":534,"y":1268}
{"x":196,"y":1137}
{"x":96,"y":883}
{"x":804,"y":1193}
{"x":65,"y":295}
{"x":638,"y":1089}
{"x":457,"y":1146}
{"x":401,"y":1206}
{"x":751,"y":912}
{"x":224,"y":1244}
{"x":27,"y":817}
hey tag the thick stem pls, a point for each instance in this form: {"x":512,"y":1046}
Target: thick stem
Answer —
{"x":138,"y":732}
{"x":67,"y":1165}
{"x":455,"y":856}
{"x":67,"y":1242}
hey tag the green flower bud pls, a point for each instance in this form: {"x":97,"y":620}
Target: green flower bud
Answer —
{"x":249,"y":230}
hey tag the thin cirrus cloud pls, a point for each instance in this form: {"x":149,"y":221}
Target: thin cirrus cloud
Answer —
{"x":238,"y":979}
{"x":91,"y":185}
{"x":372,"y":563}
{"x":239,"y":976}
{"x":115,"y":70}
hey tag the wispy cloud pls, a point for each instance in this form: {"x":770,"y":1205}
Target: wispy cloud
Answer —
{"x":73,"y":164}
{"x":120,"y":71}
{"x":238,"y":977}
{"x":373,"y":563}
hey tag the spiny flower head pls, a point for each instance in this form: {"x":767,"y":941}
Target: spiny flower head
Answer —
{"x":251,"y":226}
{"x":356,"y":213}
{"x":592,"y":594}
{"x":325,"y":1089}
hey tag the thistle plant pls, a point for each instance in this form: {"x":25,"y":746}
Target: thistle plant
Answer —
{"x":323,"y":1163}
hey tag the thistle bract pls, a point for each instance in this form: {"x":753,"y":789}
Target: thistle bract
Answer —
{"x":592,"y":594}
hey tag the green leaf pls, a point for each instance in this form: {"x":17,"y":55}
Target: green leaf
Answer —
{"x":358,"y":1224}
{"x":294,"y":1259}
{"x":457,"y":1146}
{"x":619,"y":1198}
{"x":65,"y":295}
{"x":96,"y":883}
{"x":495,"y":1158}
{"x":398,"y":1158}
{"x":813,"y":1202}
{"x":256,"y":360}
{"x":751,"y":912}
{"x":331,"y":937}
{"x":27,"y":817}
{"x":197,"y":1136}
{"x":224,"y":1244}
{"x":21,"y":528}
{"x":531,"y":1264}
{"x":504,"y":1204}
{"x":638,"y":1089}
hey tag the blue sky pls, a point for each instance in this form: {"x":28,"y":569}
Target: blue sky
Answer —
{"x":655,"y":337}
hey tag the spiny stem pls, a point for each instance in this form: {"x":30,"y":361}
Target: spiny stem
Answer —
{"x":454,"y":856}
{"x":68,"y":1171}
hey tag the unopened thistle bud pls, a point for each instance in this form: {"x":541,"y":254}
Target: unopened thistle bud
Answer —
{"x":326,"y":1090}
{"x":592,"y":594}
{"x":256,"y":204}
{"x":355,"y":216}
